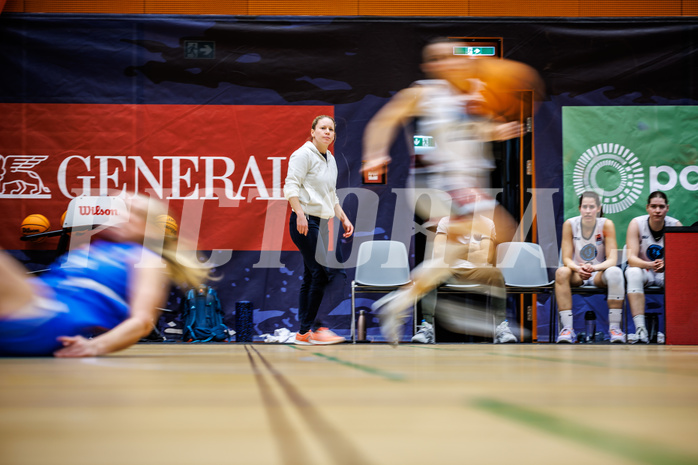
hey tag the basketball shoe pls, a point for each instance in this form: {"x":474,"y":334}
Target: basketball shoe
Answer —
{"x":617,"y":336}
{"x":392,"y":313}
{"x":640,"y":335}
{"x":324,"y":337}
{"x":567,"y":335}
{"x":503,"y":335}
{"x":303,"y":339}
{"x":425,"y":335}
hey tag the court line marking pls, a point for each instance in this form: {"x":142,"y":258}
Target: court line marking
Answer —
{"x":338,"y":447}
{"x":640,"y":450}
{"x":430,"y":347}
{"x":662,"y":371}
{"x":357,"y":366}
{"x":590,"y":363}
{"x":287,"y":438}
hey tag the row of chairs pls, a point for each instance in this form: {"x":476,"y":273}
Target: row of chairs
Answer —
{"x":383,"y":266}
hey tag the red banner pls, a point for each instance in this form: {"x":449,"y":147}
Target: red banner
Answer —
{"x":220,"y":168}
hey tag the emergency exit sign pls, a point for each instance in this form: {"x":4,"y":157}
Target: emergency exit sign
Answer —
{"x":424,"y":141}
{"x":475,"y":51}
{"x":199,"y":49}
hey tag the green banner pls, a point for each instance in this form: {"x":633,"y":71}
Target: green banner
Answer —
{"x":624,"y":153}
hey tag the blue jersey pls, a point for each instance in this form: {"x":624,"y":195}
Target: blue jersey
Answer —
{"x":84,"y":293}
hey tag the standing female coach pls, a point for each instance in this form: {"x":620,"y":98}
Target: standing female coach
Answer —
{"x":310,"y":188}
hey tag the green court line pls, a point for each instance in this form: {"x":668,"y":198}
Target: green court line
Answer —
{"x":637,"y":449}
{"x":429,"y":347}
{"x":590,"y":363}
{"x":365,"y":368}
{"x":662,"y":371}
{"x":551,"y":359}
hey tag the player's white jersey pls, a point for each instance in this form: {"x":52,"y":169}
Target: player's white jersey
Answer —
{"x":650,"y":249}
{"x":462,"y":156}
{"x":590,"y":249}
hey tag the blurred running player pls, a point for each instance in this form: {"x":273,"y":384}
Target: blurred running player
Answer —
{"x":451,"y":108}
{"x":475,"y":264}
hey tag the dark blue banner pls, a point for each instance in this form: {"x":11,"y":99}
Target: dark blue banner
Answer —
{"x":351,"y":64}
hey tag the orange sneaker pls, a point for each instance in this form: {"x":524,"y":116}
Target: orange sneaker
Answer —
{"x":303,"y":339}
{"x":323,"y":336}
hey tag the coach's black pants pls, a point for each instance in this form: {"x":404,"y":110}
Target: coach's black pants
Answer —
{"x":315,"y":276}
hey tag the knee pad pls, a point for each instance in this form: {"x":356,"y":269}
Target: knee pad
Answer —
{"x":613,"y":277}
{"x":636,"y":280}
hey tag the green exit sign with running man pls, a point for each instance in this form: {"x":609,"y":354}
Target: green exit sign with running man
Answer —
{"x":475,"y":51}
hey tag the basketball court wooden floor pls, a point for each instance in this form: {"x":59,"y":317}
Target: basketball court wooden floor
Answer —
{"x":354,"y":404}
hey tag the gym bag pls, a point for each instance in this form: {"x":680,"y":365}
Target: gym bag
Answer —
{"x":203,"y":316}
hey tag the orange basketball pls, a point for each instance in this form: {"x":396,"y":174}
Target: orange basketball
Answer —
{"x":512,"y":89}
{"x":79,"y":232}
{"x":63,"y":222}
{"x":167,"y":223}
{"x":34,"y":224}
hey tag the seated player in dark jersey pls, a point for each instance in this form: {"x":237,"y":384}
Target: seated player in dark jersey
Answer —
{"x":645,"y":248}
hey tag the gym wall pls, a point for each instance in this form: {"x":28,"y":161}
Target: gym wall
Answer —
{"x":168,"y":101}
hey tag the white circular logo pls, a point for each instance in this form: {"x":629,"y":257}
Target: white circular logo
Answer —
{"x":614,"y":172}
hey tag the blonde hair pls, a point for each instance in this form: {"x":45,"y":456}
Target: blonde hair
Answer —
{"x":319,"y":117}
{"x":183,"y":269}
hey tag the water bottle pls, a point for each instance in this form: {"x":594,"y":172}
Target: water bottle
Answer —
{"x":590,"y":323}
{"x":243,"y":321}
{"x":361,"y":326}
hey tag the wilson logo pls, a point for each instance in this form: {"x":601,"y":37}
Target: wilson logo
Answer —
{"x":97,"y":211}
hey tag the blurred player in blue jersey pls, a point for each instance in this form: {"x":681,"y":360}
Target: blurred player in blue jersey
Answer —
{"x":97,"y":299}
